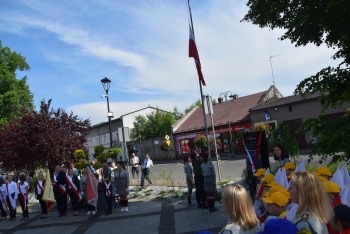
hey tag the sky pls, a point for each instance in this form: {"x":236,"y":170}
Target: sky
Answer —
{"x":142,"y":47}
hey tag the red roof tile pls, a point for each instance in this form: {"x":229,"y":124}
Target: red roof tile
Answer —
{"x":238,"y":111}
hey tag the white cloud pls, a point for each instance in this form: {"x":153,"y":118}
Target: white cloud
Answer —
{"x":97,"y":111}
{"x":150,"y":38}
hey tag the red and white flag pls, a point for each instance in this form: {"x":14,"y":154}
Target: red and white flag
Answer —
{"x":193,"y":52}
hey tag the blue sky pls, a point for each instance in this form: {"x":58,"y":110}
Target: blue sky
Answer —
{"x":142,"y":46}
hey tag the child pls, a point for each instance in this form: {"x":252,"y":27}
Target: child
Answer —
{"x":314,"y":210}
{"x":189,"y":179}
{"x":238,"y":205}
{"x":39,"y":192}
{"x":12,"y":195}
{"x":341,"y":220}
{"x":23,"y":188}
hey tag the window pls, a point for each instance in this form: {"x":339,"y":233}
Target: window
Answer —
{"x":290,"y":108}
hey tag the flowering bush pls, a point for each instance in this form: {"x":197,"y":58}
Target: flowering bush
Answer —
{"x":201,"y":142}
{"x":166,"y":146}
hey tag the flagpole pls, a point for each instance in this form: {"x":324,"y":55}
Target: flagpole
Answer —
{"x":201,"y":91}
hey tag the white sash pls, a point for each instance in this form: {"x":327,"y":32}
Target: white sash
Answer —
{"x":23,"y":197}
{"x":12,"y":200}
{"x":108,"y":191}
{"x":73,"y":187}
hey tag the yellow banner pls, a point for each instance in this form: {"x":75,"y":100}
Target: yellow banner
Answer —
{"x":48,"y":189}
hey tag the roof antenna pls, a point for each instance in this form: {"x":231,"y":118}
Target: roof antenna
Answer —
{"x":273,"y":76}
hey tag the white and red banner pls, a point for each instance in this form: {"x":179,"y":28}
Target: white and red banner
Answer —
{"x":92,"y":187}
{"x":193,"y":52}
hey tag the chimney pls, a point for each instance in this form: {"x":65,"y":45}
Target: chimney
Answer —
{"x":235,"y":96}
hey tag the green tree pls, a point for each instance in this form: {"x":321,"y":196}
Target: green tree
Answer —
{"x":282,"y":135}
{"x":156,"y":124}
{"x":177,"y":113}
{"x":199,"y":104}
{"x":14,"y":93}
{"x":315,"y":22}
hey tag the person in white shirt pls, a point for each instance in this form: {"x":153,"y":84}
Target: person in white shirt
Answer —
{"x":12,"y":194}
{"x":39,"y":192}
{"x":3,"y":206}
{"x":146,"y":168}
{"x":134,"y":162}
{"x":23,"y":188}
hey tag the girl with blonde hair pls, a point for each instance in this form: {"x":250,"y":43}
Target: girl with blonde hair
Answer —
{"x":238,"y":205}
{"x":315,"y":209}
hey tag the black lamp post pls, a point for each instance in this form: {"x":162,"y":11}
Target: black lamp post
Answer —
{"x":106,"y":85}
{"x":228,"y":117}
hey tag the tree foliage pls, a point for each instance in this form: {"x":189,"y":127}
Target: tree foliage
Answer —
{"x":283,"y":136}
{"x":41,"y":138}
{"x":14,"y":93}
{"x":316,"y":22}
{"x":156,"y":124}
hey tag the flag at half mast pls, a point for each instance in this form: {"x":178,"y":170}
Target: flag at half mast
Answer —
{"x":193,"y":52}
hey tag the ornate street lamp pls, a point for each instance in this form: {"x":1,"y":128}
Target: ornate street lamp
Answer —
{"x":106,"y":85}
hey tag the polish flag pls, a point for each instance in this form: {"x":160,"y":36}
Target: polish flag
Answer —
{"x":193,"y":52}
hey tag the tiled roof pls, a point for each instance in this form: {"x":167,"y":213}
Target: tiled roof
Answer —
{"x":284,"y":101}
{"x":238,"y":112}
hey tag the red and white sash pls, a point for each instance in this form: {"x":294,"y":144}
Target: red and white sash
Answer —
{"x":23,"y":196}
{"x":61,"y":187}
{"x":73,"y":188}
{"x":12,"y":200}
{"x":40,"y":187}
{"x":108,"y":190}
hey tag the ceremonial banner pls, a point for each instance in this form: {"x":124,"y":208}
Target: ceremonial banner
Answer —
{"x":48,"y":195}
{"x":92,"y":187}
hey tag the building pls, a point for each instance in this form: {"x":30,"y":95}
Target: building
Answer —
{"x":235,"y":111}
{"x":293,"y":111}
{"x":99,"y":134}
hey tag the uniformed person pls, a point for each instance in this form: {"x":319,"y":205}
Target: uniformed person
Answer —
{"x":208,"y":172}
{"x":189,"y":179}
{"x":198,"y":180}
{"x":106,"y":177}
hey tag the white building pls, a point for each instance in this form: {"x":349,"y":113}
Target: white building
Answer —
{"x":99,"y":134}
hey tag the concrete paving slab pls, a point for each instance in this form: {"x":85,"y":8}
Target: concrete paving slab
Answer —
{"x":52,"y":230}
{"x":147,"y":224}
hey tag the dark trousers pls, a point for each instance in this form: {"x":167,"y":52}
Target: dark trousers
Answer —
{"x":43,"y":204}
{"x":109,"y":199}
{"x":24,"y":206}
{"x":61,"y":201}
{"x":200,"y":193}
{"x":91,"y":207}
{"x":145,"y":175}
{"x":3,"y":210}
{"x":73,"y":200}
{"x":11,"y":209}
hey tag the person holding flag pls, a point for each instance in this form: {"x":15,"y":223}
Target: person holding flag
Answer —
{"x":11,"y":197}
{"x":91,"y":190}
{"x":106,"y":177}
{"x":60,"y":191}
{"x":73,"y":190}
{"x":23,"y":188}
{"x":39,"y":192}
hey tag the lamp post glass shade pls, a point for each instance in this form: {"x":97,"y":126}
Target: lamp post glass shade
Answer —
{"x":106,"y":83}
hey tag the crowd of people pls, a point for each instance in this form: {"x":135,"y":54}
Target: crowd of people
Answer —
{"x":310,"y":203}
{"x":288,"y":198}
{"x":68,"y":185}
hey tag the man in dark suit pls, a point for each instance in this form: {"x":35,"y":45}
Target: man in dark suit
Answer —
{"x":60,"y":191}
